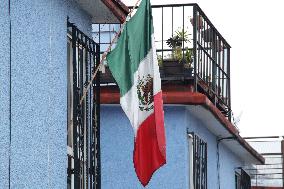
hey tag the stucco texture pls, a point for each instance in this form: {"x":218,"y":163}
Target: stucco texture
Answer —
{"x":117,"y":148}
{"x":4,"y":93}
{"x":38,"y":93}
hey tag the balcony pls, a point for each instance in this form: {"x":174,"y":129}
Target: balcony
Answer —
{"x":191,"y":52}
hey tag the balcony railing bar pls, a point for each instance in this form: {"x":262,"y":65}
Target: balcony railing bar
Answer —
{"x":195,"y":22}
{"x":214,"y":93}
{"x":195,"y":5}
{"x":162,"y":32}
{"x":203,"y":49}
{"x":222,"y":71}
{"x":172,"y":21}
{"x":183,"y":30}
{"x":210,"y":51}
{"x":266,"y":174}
{"x":228,"y":93}
{"x":264,"y":178}
{"x":211,"y":25}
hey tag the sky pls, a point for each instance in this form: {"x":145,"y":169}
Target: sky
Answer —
{"x":255,"y":31}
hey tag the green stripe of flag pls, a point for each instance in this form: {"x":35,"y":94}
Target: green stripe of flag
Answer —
{"x":132,"y":47}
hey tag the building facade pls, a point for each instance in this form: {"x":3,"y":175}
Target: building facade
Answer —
{"x":223,"y":160}
{"x":48,"y":56}
{"x":33,"y":85}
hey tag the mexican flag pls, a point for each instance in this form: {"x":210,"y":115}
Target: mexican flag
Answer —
{"x":134,"y":66}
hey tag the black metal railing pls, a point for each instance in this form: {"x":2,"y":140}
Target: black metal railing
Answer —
{"x":189,"y":48}
{"x":199,"y":154}
{"x":211,"y":62}
{"x":270,"y":174}
{"x":83,"y":119}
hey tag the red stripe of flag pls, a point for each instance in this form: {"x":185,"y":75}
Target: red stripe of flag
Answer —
{"x":149,"y":148}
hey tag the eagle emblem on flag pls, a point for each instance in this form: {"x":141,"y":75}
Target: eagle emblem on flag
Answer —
{"x":145,"y":93}
{"x":134,"y":66}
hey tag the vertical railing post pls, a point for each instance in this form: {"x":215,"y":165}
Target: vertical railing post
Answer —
{"x":162,"y":35}
{"x":214,"y":62}
{"x":94,"y":126}
{"x":282,"y":152}
{"x":183,"y":40}
{"x":75,"y":111}
{"x":194,"y":45}
{"x":97,"y":94}
{"x":229,"y":85}
{"x":86,"y":53}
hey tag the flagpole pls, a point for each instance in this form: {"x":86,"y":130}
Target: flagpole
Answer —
{"x":105,"y":54}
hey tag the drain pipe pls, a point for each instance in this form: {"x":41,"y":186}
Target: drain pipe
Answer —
{"x":219,"y":140}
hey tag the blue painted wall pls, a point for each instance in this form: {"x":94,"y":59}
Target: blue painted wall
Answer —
{"x":39,"y":94}
{"x":38,"y":106}
{"x":228,"y":163}
{"x":228,"y":160}
{"x":4,"y":93}
{"x":117,"y":147}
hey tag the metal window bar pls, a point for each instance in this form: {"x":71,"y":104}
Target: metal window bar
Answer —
{"x":199,"y":162}
{"x":84,"y":165}
{"x":242,"y":178}
{"x":245,"y":180}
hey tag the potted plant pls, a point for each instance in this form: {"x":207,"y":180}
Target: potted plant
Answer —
{"x":188,"y":61}
{"x":173,"y":65}
{"x":160,"y":64}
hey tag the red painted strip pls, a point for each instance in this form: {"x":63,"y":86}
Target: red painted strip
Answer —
{"x":147,"y":157}
{"x":110,"y":95}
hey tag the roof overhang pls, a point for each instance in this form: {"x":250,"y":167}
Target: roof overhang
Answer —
{"x":105,"y":11}
{"x":204,"y":110}
{"x":226,"y":133}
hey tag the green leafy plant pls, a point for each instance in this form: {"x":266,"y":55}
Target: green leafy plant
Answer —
{"x":176,"y":42}
{"x":177,"y":54}
{"x":188,"y":58}
{"x":160,"y":60}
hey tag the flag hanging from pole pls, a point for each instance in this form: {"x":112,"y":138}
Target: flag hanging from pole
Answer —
{"x":134,"y":66}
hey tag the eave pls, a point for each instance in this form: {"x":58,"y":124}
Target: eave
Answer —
{"x":104,"y":11}
{"x":119,"y":9}
{"x":183,"y":95}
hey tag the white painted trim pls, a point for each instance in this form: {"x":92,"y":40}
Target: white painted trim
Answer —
{"x":190,"y":152}
{"x":70,"y":151}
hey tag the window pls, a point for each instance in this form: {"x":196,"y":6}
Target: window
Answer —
{"x":242,"y":179}
{"x":83,"y":115}
{"x":198,"y":162}
{"x":238,"y":180}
